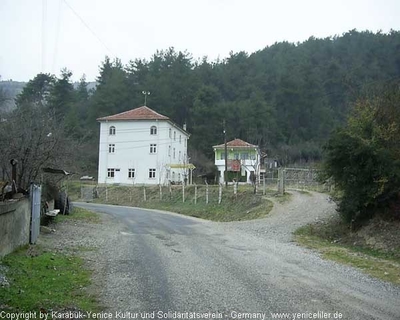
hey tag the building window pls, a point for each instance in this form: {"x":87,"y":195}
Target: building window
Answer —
{"x":112,"y":131}
{"x":185,"y":142}
{"x":173,"y":155}
{"x":244,"y":156}
{"x":236,"y":156}
{"x":179,"y":177}
{"x":180,"y":154}
{"x":111,"y":148}
{"x":153,"y":130}
{"x":153,"y":148}
{"x":180,"y":139}
{"x":131,"y":173}
{"x":152,"y":173}
{"x":223,"y":156}
{"x":110,"y":173}
{"x":169,"y":151}
{"x":173,"y":176}
{"x":174,"y":135}
{"x":170,"y":133}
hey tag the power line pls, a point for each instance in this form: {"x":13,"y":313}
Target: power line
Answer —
{"x":44,"y":15}
{"x":87,"y":27}
{"x":55,"y":52}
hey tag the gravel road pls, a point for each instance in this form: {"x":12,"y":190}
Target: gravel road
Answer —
{"x":156,"y":261}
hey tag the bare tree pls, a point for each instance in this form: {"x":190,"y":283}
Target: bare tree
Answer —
{"x":32,"y":136}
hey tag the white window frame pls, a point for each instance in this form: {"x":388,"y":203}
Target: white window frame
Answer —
{"x":180,"y":138}
{"x":173,"y":154}
{"x":180,"y":156}
{"x":111,"y":148}
{"x":153,"y":148}
{"x":131,"y":173}
{"x":110,"y":173}
{"x":169,"y":151}
{"x":174,"y":135}
{"x":153,"y":130}
{"x":111,"y":131}
{"x":170,"y":132}
{"x":152,"y":173}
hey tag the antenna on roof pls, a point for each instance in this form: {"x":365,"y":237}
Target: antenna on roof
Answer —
{"x":146,"y":93}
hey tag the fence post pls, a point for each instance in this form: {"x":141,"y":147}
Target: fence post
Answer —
{"x":281,"y":181}
{"x":144,"y":193}
{"x":264,"y":185}
{"x":195,"y":194}
{"x":160,"y":192}
{"x":183,"y":192}
{"x":206,"y":191}
{"x":220,"y":194}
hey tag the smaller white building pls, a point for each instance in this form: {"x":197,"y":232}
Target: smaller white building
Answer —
{"x":141,"y":146}
{"x":243,"y":161}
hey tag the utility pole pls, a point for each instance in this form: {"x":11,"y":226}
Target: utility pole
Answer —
{"x":226,"y":157}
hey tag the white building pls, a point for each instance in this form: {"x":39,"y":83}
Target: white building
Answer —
{"x":243,"y":161}
{"x":141,"y":146}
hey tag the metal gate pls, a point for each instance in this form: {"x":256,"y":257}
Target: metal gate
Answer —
{"x":35,"y":195}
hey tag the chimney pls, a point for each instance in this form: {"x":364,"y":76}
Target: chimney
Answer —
{"x":184,"y":126}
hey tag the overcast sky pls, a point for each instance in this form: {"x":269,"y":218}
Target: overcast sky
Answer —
{"x":46,"y":35}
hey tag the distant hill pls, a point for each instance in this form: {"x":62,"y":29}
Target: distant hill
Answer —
{"x":12,"y":89}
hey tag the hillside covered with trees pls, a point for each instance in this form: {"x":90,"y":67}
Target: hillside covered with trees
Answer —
{"x":287,"y":97}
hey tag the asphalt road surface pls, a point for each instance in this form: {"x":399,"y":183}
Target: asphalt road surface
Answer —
{"x":158,"y":262}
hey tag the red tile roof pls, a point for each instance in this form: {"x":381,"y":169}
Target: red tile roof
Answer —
{"x":238,"y":143}
{"x":142,"y":113}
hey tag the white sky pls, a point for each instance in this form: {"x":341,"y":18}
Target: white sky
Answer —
{"x":136,"y":29}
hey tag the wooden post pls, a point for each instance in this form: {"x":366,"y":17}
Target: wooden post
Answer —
{"x":195,"y":194}
{"x":220,"y":194}
{"x":206,"y":191}
{"x":281,"y":181}
{"x":183,"y":192}
{"x":235,"y":188}
{"x":144,"y":193}
{"x":264,"y":191}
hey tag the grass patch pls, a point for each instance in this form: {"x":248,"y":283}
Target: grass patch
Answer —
{"x":244,"y":206}
{"x":79,"y":214}
{"x":45,"y":280}
{"x":377,"y":263}
{"x":307,"y":193}
{"x":234,"y":211}
{"x":286,"y":197}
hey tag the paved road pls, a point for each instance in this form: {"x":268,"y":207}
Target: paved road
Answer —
{"x":168,"y":262}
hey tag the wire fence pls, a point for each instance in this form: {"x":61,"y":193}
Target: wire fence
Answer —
{"x":273,"y":181}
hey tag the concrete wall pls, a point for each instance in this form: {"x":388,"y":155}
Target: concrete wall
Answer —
{"x":14,"y":225}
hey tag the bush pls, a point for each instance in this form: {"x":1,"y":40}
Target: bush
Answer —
{"x":363,"y":157}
